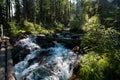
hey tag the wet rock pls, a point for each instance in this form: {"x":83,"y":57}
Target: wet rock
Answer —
{"x":26,"y":49}
{"x":19,"y":53}
{"x":42,"y":55}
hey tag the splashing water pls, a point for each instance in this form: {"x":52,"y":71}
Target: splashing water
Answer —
{"x":56,"y":66}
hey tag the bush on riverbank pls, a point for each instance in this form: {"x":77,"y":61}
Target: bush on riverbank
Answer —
{"x":100,"y":67}
{"x":27,"y":28}
{"x":102,"y":62}
{"x":93,"y":66}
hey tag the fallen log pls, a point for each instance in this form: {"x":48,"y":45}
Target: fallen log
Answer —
{"x":70,"y":42}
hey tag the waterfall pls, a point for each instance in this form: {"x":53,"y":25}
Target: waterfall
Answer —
{"x":54,"y":63}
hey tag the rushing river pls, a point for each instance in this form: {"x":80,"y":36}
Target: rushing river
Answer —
{"x":53,"y":63}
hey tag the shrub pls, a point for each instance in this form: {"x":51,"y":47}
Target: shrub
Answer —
{"x":76,"y":26}
{"x":14,"y":27}
{"x":91,"y":23}
{"x":29,"y":27}
{"x":102,"y":40}
{"x":59,"y":26}
{"x":113,"y":71}
{"x":93,"y":66}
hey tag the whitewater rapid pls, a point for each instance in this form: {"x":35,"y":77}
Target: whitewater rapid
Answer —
{"x":56,"y":63}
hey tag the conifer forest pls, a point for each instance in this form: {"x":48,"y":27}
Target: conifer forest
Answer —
{"x":60,"y":39}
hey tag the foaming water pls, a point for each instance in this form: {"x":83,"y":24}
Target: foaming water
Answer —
{"x":56,"y":63}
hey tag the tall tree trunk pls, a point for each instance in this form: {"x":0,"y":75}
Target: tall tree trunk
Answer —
{"x":7,"y":15}
{"x":1,"y":17}
{"x":25,"y":9}
{"x":17,"y":11}
{"x":35,"y":12}
{"x":70,"y":7}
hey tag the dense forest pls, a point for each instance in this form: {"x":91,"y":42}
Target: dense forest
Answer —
{"x":97,"y":20}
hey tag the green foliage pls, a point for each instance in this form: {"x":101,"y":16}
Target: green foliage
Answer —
{"x":91,"y":23}
{"x":29,"y":27}
{"x":53,"y":27}
{"x":93,"y":66}
{"x":59,"y":26}
{"x":113,"y":71}
{"x":76,"y":26}
{"x":101,"y":39}
{"x":102,"y":63}
{"x":13,"y":28}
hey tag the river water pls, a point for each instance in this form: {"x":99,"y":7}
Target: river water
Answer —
{"x":53,"y":63}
